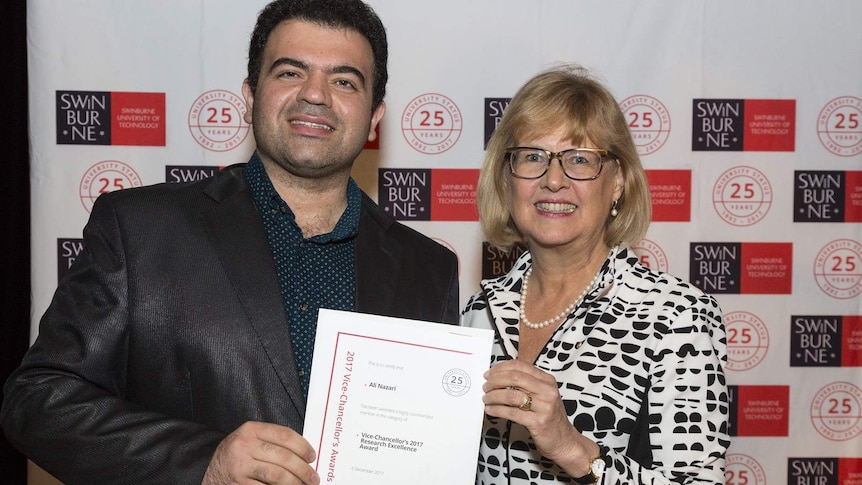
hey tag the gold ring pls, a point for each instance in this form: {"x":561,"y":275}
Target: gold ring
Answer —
{"x":528,"y":402}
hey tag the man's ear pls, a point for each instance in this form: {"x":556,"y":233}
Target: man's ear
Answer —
{"x":248,"y":94}
{"x":376,"y":116}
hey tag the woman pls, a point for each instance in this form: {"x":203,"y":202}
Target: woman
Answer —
{"x":604,"y":370}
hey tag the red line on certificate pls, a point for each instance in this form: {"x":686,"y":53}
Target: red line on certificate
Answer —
{"x":400,"y":342}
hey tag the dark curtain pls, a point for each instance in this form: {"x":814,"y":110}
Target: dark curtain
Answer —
{"x":15,"y":194}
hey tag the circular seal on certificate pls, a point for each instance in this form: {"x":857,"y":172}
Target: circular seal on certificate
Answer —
{"x":456,"y":382}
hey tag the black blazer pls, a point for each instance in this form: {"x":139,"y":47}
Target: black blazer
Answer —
{"x":169,"y":331}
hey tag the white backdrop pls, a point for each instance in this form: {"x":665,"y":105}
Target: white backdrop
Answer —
{"x":748,"y":116}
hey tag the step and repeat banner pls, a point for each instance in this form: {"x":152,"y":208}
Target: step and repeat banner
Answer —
{"x":747,"y":115}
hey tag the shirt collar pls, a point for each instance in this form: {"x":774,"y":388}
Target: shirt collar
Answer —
{"x":265,"y":196}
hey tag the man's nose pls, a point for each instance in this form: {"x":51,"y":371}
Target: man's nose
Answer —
{"x":315,"y":89}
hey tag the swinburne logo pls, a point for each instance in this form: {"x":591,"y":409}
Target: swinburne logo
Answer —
{"x":827,"y":196}
{"x":494,"y":108}
{"x":826,"y":341}
{"x":759,"y":410}
{"x":744,"y":125}
{"x":824,"y":471}
{"x":425,"y":194}
{"x":405,"y":194}
{"x":189,"y":173}
{"x":496,"y":262}
{"x":106,"y":118}
{"x":67,"y":253}
{"x":743,"y":268}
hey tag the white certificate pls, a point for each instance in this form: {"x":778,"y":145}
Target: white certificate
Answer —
{"x":395,"y":401}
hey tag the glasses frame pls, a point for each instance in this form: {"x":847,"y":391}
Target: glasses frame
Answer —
{"x":559,"y":157}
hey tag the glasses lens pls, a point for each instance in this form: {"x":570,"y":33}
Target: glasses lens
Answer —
{"x":528,"y":163}
{"x":581,"y":164}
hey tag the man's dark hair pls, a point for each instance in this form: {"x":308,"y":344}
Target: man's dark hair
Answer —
{"x":340,"y":14}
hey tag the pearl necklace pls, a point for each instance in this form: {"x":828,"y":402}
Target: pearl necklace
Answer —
{"x":566,"y":311}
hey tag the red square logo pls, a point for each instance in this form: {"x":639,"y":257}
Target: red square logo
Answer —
{"x":670,"y":191}
{"x":770,"y":125}
{"x":762,"y":410}
{"x":766,"y":269}
{"x":849,"y":470}
{"x":138,"y":119}
{"x":453,"y":194}
{"x":853,"y":196}
{"x":851,"y":341}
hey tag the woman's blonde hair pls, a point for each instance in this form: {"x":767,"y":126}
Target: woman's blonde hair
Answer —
{"x":567,"y":96}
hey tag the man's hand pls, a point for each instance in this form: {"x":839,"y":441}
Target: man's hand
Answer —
{"x":262,"y":453}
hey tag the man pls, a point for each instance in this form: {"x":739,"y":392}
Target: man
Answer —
{"x":178,"y":348}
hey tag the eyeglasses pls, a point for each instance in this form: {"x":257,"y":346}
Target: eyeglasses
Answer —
{"x":577,"y":163}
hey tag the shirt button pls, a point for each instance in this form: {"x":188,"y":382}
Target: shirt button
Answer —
{"x":283,"y":210}
{"x":302,"y":373}
{"x":303,"y":306}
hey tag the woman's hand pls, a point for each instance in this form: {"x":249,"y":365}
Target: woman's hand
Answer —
{"x":526,"y":395}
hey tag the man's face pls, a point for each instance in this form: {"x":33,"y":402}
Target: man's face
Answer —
{"x":311,"y":112}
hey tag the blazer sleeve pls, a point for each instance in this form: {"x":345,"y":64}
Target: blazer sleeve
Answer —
{"x":64,"y":407}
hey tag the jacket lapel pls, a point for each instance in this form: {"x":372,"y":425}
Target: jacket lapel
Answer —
{"x":378,"y":262}
{"x":241,"y":243}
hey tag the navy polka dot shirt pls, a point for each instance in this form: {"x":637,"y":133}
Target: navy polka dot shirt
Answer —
{"x":318,"y":272}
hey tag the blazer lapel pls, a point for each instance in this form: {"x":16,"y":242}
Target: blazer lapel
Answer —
{"x":378,"y":262}
{"x":241,"y":243}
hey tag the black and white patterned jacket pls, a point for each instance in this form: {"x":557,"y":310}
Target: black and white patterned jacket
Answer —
{"x":639,"y":336}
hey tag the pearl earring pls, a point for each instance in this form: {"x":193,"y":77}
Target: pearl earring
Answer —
{"x":614,"y":211}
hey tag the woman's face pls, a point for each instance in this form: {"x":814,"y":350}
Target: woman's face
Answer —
{"x":553,"y":210}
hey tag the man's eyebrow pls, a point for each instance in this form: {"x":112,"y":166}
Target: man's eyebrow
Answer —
{"x":288,"y":61}
{"x":345,"y":69}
